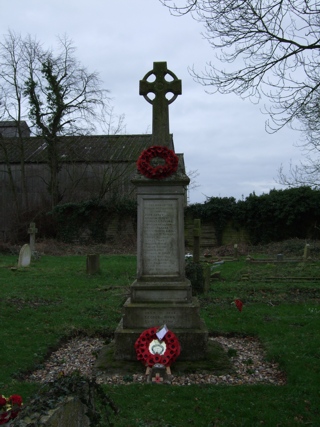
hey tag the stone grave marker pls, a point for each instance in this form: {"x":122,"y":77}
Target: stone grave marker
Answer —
{"x":236,"y":251}
{"x":161,"y":293}
{"x":306,"y":252}
{"x":93,"y":263}
{"x":24,"y":256}
{"x":279,"y":257}
{"x":32,"y":231}
{"x":196,"y":240}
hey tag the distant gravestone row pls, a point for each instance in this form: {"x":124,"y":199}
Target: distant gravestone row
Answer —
{"x":28,"y":251}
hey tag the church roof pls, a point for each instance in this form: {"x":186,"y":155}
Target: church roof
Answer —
{"x":92,"y":148}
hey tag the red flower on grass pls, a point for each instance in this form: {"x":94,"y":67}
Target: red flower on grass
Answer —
{"x":239,"y":304}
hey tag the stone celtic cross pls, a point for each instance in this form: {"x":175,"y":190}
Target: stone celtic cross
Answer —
{"x":32,"y":230}
{"x":160,"y":87}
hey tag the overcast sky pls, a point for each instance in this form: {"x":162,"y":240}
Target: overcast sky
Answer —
{"x":222,"y":137}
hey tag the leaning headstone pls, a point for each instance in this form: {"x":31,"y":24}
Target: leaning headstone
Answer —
{"x":24,"y":256}
{"x":32,"y":230}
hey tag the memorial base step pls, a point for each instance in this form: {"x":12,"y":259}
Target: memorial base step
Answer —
{"x":155,"y":291}
{"x":174,"y":315}
{"x":193,"y":342}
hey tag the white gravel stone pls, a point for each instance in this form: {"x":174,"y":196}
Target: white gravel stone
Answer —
{"x":79,"y":354}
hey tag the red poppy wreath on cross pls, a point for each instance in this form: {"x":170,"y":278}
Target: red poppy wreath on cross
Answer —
{"x":169,"y":348}
{"x":161,"y":171}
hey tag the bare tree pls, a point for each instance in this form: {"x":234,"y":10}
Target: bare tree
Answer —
{"x":272,"y":48}
{"x":58,"y":95}
{"x":65,"y":99}
{"x":307,"y":172}
{"x":12,"y":103}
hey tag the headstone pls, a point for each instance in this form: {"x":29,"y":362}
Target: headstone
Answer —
{"x":32,"y":230}
{"x":196,"y":240}
{"x":24,"y":256}
{"x":279,"y":257}
{"x":236,"y":251}
{"x":306,"y":252}
{"x":161,"y":294}
{"x":93,"y":263}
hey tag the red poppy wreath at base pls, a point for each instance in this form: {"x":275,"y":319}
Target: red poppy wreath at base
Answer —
{"x":170,"y":348}
{"x":160,"y":171}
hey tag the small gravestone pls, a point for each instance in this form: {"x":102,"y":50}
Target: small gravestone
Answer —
{"x":24,"y":256}
{"x":196,"y":240}
{"x":279,"y":257}
{"x":32,"y":230}
{"x":93,"y":263}
{"x":236,"y":251}
{"x":306,"y":252}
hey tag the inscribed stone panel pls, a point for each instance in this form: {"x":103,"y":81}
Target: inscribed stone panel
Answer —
{"x":160,"y":251}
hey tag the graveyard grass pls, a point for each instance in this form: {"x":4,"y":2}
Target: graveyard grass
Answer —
{"x":54,"y":298}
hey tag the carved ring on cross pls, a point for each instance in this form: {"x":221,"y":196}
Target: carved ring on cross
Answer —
{"x":160,"y":87}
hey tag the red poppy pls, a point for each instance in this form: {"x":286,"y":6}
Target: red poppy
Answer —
{"x":3,"y":401}
{"x":15,"y":399}
{"x":239,"y":304}
{"x":4,"y":417}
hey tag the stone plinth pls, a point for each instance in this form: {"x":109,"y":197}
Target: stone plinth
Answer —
{"x":174,"y":315}
{"x":193,"y":342}
{"x":161,"y":291}
{"x":161,"y":294}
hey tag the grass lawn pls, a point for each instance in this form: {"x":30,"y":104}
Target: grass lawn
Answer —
{"x":54,"y":299}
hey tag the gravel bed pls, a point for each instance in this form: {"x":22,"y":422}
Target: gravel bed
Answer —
{"x":247,"y":356}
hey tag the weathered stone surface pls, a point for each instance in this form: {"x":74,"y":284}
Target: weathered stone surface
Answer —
{"x":93,"y":263}
{"x":24,"y":256}
{"x":70,"y":412}
{"x":161,"y":291}
{"x":174,"y":315}
{"x":160,"y":233}
{"x":160,"y":87}
{"x":193,"y":342}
